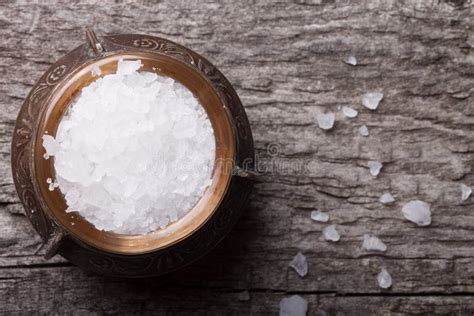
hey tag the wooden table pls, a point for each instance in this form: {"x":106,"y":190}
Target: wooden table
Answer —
{"x":286,"y":62}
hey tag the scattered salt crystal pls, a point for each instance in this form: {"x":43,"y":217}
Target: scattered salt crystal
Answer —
{"x":51,"y":185}
{"x":45,"y":156}
{"x":466,"y":192}
{"x":319,"y":216}
{"x":330,"y":233}
{"x":243,"y":296}
{"x":386,"y":198}
{"x":384,"y":279}
{"x":418,"y":212}
{"x":374,"y":167}
{"x":363,"y":131}
{"x":326,"y":120}
{"x":371,"y":242}
{"x":96,"y":71}
{"x":371,"y":100}
{"x":293,"y":306}
{"x":349,"y":112}
{"x":351,"y":60}
{"x":124,"y":146}
{"x":299,"y":264}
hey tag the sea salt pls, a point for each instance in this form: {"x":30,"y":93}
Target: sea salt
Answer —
{"x":134,"y":152}
{"x":386,"y":198}
{"x":293,"y":306}
{"x":319,"y":216}
{"x":372,"y":243}
{"x":374,"y":167}
{"x":244,"y":296}
{"x":50,"y":145}
{"x":384,"y":279}
{"x":364,"y":131}
{"x":96,"y":71}
{"x":52,"y":186}
{"x":299,"y":264}
{"x":371,"y":100}
{"x":349,"y":112}
{"x":350,"y":60}
{"x":326,"y":120}
{"x":418,"y":212}
{"x":465,"y":192}
{"x":330,"y":233}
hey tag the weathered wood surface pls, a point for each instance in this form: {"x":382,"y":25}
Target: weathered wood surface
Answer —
{"x":285,"y":61}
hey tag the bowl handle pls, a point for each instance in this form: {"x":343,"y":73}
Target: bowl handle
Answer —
{"x":247,"y":174}
{"x":54,"y":242}
{"x":94,"y":43}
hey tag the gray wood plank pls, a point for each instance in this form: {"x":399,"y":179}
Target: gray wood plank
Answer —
{"x":285,"y":61}
{"x":66,"y":290}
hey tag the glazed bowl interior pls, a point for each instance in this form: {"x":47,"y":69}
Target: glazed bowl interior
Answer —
{"x":76,"y":225}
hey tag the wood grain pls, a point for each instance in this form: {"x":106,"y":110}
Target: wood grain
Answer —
{"x":285,"y":61}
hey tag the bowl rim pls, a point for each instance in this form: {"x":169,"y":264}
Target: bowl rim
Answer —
{"x":129,"y":244}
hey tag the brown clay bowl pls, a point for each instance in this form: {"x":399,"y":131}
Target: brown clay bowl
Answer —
{"x":162,"y":251}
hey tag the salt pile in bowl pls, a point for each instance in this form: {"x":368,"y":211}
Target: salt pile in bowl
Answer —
{"x":134,"y":153}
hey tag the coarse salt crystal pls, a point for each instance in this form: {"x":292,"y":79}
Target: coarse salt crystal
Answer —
{"x":351,"y":60}
{"x":465,"y":192}
{"x":52,"y":184}
{"x":50,"y":145}
{"x":372,"y":243}
{"x":374,"y":167}
{"x":134,"y":152}
{"x":51,"y":187}
{"x":384,"y":279}
{"x":349,"y":112}
{"x":418,"y":212}
{"x":364,"y":131}
{"x":330,"y":233}
{"x":386,"y":198}
{"x":129,"y":67}
{"x":244,"y":296}
{"x":326,"y":120}
{"x":319,"y":216}
{"x":96,"y":71}
{"x":293,"y":306}
{"x":371,"y":100}
{"x":299,"y":264}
